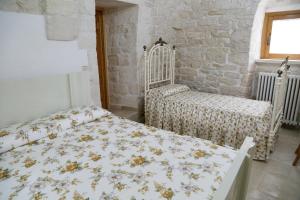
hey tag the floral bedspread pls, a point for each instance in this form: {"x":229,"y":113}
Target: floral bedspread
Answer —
{"x":225,"y":120}
{"x":114,"y":158}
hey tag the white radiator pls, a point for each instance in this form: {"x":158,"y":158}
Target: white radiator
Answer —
{"x":265,"y":90}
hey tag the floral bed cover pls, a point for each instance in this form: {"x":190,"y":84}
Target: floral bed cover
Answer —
{"x":225,"y":120}
{"x":112,"y":158}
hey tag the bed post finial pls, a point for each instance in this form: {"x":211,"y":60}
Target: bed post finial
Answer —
{"x":145,"y":48}
{"x":283,"y":65}
{"x":279,"y":72}
{"x":161,"y":42}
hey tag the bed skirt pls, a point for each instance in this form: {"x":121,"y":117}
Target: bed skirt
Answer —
{"x":222,"y":119}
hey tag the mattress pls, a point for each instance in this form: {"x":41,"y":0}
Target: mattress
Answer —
{"x":225,"y":120}
{"x":112,"y":158}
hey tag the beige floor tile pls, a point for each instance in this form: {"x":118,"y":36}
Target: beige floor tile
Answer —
{"x":273,"y":185}
{"x":294,"y":174}
{"x":256,"y":175}
{"x":277,"y":179}
{"x":291,"y":190}
{"x":278,"y":168}
{"x":257,"y":195}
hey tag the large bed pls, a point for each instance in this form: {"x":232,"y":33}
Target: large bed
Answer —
{"x":86,"y":152}
{"x":225,"y":120}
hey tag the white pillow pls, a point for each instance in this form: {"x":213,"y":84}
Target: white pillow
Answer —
{"x":23,"y":133}
{"x":71,"y":118}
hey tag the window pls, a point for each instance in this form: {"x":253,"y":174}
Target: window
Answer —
{"x":281,"y":35}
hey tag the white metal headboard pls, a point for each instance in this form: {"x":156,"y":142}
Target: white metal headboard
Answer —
{"x":24,"y":100}
{"x":159,"y":64}
{"x":279,"y":95}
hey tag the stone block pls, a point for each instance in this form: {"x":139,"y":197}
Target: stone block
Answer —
{"x":87,"y":23}
{"x":128,"y":75}
{"x":212,"y":84}
{"x":221,"y":33}
{"x":239,"y":58}
{"x":87,"y":7}
{"x":113,"y":60}
{"x":113,"y":77}
{"x":8,"y":5}
{"x":30,"y":6}
{"x":121,"y":89}
{"x":229,"y":81}
{"x":114,"y":99}
{"x":133,"y":89}
{"x":62,"y":7}
{"x":191,"y":72}
{"x":63,"y":28}
{"x":216,"y":12}
{"x":230,"y":90}
{"x":217,"y":55}
{"x":130,"y":101}
{"x":233,"y":75}
{"x":212,"y":78}
{"x":226,"y":67}
{"x":124,"y":59}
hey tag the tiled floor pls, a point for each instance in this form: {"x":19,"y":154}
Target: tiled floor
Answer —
{"x":277,"y":179}
{"x":126,"y":113}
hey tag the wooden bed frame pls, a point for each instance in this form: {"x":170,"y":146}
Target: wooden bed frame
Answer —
{"x":160,"y":70}
{"x":25,"y":100}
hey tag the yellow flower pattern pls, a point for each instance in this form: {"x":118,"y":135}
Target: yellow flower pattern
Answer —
{"x":3,"y":133}
{"x":4,"y":173}
{"x":137,"y":160}
{"x":113,"y":158}
{"x":29,"y":162}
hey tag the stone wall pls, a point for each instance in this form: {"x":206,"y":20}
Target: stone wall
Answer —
{"x":212,"y":39}
{"x":66,"y":20}
{"x":121,"y":41}
{"x":127,"y":30}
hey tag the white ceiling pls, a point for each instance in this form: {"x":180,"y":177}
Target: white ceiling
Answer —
{"x":111,"y":4}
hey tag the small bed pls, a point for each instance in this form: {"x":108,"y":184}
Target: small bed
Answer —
{"x":225,"y":120}
{"x":86,"y":152}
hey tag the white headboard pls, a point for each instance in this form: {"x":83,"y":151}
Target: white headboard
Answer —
{"x":23,"y":100}
{"x":159,"y":64}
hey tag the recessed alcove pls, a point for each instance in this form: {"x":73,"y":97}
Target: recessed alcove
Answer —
{"x":120,"y":35}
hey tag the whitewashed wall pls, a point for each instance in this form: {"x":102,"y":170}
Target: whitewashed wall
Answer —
{"x":26,"y":52}
{"x":69,"y":26}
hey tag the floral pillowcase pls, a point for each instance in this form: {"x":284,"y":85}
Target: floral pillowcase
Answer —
{"x":24,"y":133}
{"x":168,"y":90}
{"x":71,"y":118}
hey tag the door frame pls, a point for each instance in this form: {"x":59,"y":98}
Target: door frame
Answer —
{"x":101,"y":57}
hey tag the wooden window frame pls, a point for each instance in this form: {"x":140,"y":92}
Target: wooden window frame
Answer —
{"x":267,"y":29}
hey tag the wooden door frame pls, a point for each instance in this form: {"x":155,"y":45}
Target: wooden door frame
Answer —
{"x":101,"y":57}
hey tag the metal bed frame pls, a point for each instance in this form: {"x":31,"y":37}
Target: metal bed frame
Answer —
{"x":160,"y":70}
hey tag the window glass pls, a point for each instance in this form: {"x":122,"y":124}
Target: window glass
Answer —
{"x":285,"y":37}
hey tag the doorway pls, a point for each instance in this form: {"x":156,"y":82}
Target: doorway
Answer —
{"x":101,"y":58}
